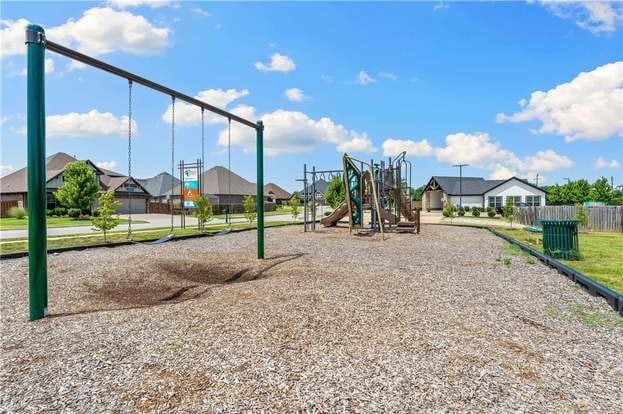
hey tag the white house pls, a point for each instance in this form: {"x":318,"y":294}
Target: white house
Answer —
{"x":478,"y":192}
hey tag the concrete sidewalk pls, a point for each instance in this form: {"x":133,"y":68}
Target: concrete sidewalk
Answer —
{"x":153,"y":221}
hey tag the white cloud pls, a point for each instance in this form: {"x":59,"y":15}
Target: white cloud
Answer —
{"x":89,"y":124}
{"x":293,"y":131}
{"x":124,"y":4}
{"x":479,"y":151}
{"x":393,"y":147}
{"x":588,"y":107}
{"x":48,"y":67}
{"x":295,"y":95}
{"x":278,"y":63}
{"x":595,"y":16}
{"x":107,"y":165}
{"x":388,"y":75}
{"x":189,"y":115}
{"x":12,"y":37}
{"x":201,"y":11}
{"x":6,"y":169}
{"x":364,"y":79}
{"x":98,"y":31}
{"x":440,"y":6}
{"x":601,"y":163}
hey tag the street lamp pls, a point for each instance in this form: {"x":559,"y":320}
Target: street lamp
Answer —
{"x":460,"y":182}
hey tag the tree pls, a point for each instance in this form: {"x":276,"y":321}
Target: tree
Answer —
{"x":335,"y":194}
{"x":105,"y":220}
{"x":416,"y":194}
{"x":578,"y":191}
{"x":601,"y":191}
{"x":509,"y":212}
{"x":450,"y":212}
{"x":249,"y":208}
{"x":80,"y":187}
{"x":580,"y":214}
{"x":203,"y":210}
{"x":295,"y":203}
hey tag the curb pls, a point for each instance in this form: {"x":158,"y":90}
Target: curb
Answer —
{"x":17,"y":255}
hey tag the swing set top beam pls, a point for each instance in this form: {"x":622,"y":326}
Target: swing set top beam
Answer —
{"x":88,"y":60}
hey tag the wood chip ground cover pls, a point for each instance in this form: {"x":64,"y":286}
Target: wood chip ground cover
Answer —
{"x":326,"y":323}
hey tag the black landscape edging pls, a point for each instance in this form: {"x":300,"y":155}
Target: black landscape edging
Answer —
{"x":17,"y":255}
{"x":614,"y":299}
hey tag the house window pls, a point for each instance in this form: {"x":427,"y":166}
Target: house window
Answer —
{"x":533,"y":200}
{"x":495,"y":201}
{"x":516,"y":200}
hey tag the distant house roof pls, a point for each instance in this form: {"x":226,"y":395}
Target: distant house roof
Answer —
{"x":468,"y":185}
{"x":272,"y":189}
{"x":17,"y":182}
{"x":160,"y":184}
{"x":321,"y":187}
{"x":55,"y":164}
{"x":219,"y":180}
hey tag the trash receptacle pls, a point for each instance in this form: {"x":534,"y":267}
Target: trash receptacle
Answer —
{"x":560,"y":239}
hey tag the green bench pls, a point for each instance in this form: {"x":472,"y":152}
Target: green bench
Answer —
{"x":535,"y":229}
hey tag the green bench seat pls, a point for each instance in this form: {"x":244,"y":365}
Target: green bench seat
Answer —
{"x":532,"y":229}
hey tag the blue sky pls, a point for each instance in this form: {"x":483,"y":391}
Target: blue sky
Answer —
{"x":448,"y":82}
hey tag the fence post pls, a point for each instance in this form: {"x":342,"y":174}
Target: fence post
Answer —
{"x":35,"y":113}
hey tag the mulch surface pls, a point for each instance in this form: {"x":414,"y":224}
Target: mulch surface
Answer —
{"x":328,"y":322}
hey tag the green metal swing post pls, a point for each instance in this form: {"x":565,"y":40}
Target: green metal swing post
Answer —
{"x":259,"y":197}
{"x":37,"y":232}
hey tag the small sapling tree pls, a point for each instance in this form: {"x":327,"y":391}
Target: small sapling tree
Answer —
{"x":335,"y":194}
{"x":80,"y":187}
{"x":580,"y":214}
{"x":509,"y":212}
{"x":249,"y":208}
{"x":203,"y":210}
{"x":106,"y":219}
{"x":450,"y":212}
{"x":295,"y":203}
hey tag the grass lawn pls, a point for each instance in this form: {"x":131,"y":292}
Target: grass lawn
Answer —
{"x":278,"y":212}
{"x":7,"y":223}
{"x":21,"y":244}
{"x":602,"y":255}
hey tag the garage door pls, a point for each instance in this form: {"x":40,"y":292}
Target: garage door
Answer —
{"x":139,"y":206}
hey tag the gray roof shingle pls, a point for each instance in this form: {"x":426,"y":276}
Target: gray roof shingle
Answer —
{"x":469,"y":185}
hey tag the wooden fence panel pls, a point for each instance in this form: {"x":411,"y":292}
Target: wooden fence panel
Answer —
{"x":602,"y":218}
{"x":6,"y":205}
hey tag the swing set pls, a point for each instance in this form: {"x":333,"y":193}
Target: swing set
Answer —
{"x":36,"y":46}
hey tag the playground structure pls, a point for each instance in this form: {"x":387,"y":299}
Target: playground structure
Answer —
{"x":36,"y":46}
{"x":383,"y":189}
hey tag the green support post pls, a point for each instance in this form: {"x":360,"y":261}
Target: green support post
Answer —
{"x":259,"y":197}
{"x":36,"y":199}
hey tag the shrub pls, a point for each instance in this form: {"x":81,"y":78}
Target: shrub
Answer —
{"x":295,"y":203}
{"x":249,"y":208}
{"x":49,"y":212}
{"x":203,"y":210}
{"x":74,"y":212}
{"x":327,"y":213}
{"x":59,"y":211}
{"x":445,"y":213}
{"x":476,"y":212}
{"x":466,"y":208}
{"x":461,"y":212}
{"x":106,"y":220}
{"x":17,"y":213}
{"x":491,"y":213}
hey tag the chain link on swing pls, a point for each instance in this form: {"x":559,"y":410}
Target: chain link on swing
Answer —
{"x":229,"y":207}
{"x":172,"y":157}
{"x":129,"y":236}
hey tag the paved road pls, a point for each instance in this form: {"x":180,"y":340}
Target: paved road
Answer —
{"x":153,"y":221}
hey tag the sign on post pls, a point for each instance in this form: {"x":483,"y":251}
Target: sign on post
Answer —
{"x":190,"y":191}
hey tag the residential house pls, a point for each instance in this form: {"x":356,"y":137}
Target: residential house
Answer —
{"x":478,"y":192}
{"x":14,"y":186}
{"x":275,"y":194}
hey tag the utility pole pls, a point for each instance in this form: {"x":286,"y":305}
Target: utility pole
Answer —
{"x":537,"y":180}
{"x":461,"y":182}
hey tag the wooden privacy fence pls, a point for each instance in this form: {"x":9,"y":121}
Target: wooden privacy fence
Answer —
{"x":5,"y":206}
{"x":602,"y":218}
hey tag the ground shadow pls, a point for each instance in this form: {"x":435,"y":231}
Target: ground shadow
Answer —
{"x":167,"y":282}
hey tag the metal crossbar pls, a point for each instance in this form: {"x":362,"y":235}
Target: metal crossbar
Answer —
{"x":72,"y":54}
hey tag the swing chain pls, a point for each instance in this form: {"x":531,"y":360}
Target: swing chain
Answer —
{"x":172,"y":155}
{"x":129,"y":157}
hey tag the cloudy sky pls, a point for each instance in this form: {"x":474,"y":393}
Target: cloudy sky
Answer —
{"x":509,"y":88}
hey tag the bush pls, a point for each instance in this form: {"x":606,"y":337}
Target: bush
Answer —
{"x":17,"y":213}
{"x":476,"y":212}
{"x":59,"y":211}
{"x":491,"y":213}
{"x":96,"y":213}
{"x":74,"y":212}
{"x":466,"y":208}
{"x":446,"y":213}
{"x":327,"y":213}
{"x":461,"y":212}
{"x":49,"y":212}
